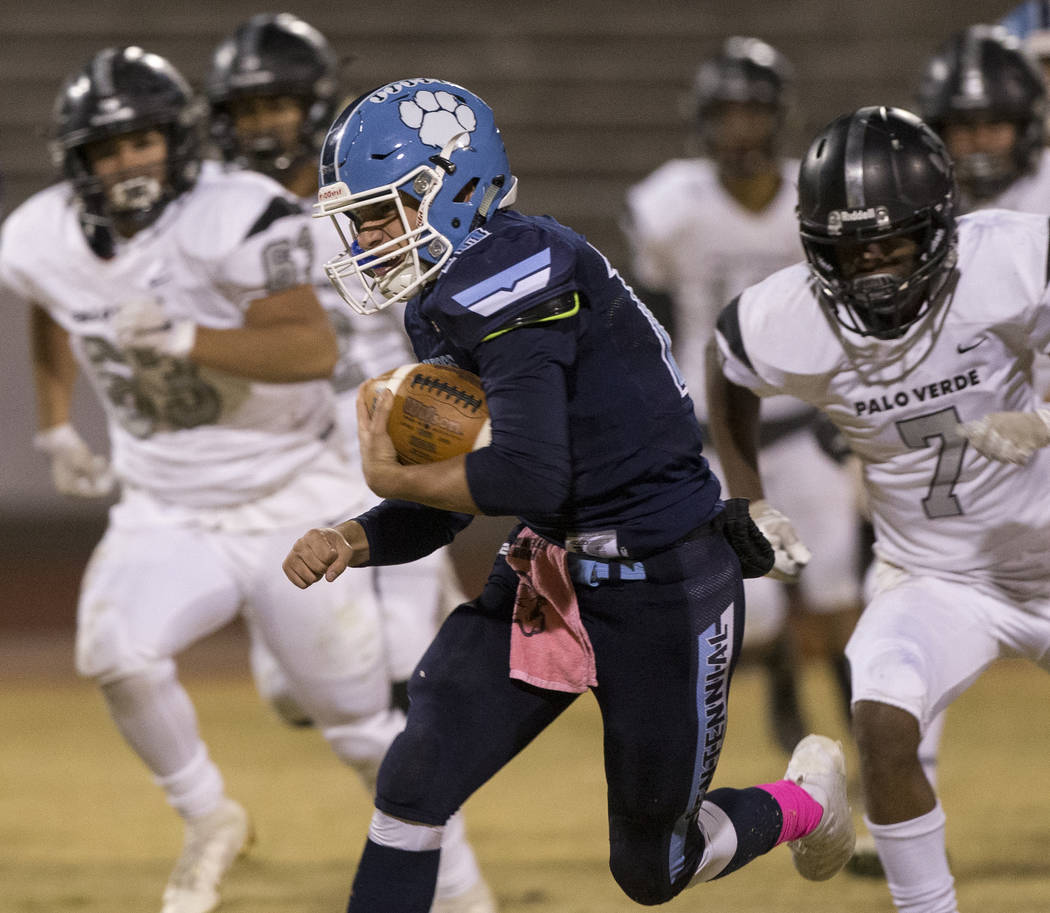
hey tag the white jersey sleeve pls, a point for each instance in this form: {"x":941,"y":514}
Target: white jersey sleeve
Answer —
{"x":938,"y":506}
{"x":186,"y":434}
{"x":1031,"y":193}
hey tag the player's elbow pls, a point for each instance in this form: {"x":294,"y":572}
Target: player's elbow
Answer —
{"x":518,"y":484}
{"x":542,"y":494}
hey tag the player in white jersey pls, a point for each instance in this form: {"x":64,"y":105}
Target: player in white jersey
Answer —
{"x":986,"y":98}
{"x":986,"y":95}
{"x":272,"y":89}
{"x":703,"y":229}
{"x":179,"y":290}
{"x":905,"y":325}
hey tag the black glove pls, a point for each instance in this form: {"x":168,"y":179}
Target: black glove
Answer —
{"x":751,"y":547}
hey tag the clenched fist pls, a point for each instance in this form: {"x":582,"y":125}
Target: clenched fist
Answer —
{"x":323,"y":552}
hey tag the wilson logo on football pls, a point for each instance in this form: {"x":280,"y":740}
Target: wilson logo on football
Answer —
{"x":430,"y":415}
{"x":438,"y":412}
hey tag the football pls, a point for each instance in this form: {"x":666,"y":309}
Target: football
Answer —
{"x":439,"y":411}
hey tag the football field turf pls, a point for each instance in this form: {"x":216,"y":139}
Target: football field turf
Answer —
{"x":83,"y":830}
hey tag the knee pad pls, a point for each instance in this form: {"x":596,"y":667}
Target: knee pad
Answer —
{"x":126,"y":691}
{"x":891,"y":673}
{"x":104,"y":651}
{"x":409,"y":786}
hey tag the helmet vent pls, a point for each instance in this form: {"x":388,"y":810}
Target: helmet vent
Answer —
{"x":467,"y":191}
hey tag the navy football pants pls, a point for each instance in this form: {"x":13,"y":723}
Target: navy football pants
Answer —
{"x":665,"y":648}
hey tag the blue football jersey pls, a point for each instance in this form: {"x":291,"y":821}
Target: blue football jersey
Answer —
{"x":594,"y":436}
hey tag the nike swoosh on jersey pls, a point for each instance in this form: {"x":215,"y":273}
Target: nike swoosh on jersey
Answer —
{"x":508,"y":285}
{"x":961,"y":348}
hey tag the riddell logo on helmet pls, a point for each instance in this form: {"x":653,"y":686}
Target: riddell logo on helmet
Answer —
{"x":854,"y":215}
{"x":837,"y":216}
{"x":330,"y":192}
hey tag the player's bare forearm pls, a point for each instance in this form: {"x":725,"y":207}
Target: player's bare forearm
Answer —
{"x":54,"y":369}
{"x":286,"y":338}
{"x":442,"y":484}
{"x":733,"y":413}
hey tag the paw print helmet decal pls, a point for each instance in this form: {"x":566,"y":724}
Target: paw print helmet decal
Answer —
{"x":423,"y":143}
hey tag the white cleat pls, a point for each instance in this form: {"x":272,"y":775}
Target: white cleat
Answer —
{"x":477,"y":899}
{"x":819,"y":767}
{"x":208,"y":850}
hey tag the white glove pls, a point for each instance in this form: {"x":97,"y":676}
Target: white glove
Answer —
{"x":1009,"y":437}
{"x":75,"y":470}
{"x":141,"y":323}
{"x":789,"y":552}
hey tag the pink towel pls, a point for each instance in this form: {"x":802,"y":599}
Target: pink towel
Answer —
{"x":549,"y":646}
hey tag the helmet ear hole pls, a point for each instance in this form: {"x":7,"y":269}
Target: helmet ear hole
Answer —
{"x":466,"y":191}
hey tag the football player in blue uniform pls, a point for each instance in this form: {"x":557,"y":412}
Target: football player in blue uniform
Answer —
{"x":625,"y":574}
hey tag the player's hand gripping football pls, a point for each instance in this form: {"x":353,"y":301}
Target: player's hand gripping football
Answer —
{"x":1009,"y":437}
{"x":75,"y":470}
{"x":141,"y":323}
{"x":790,"y":552}
{"x":322,"y":552}
{"x":379,"y":461}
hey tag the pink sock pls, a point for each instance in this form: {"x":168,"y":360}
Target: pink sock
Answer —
{"x":801,"y":812}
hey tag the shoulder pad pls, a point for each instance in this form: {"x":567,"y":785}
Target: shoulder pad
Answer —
{"x":279,"y":208}
{"x":728,"y":325}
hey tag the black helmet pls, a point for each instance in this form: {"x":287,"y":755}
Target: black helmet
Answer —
{"x":876,"y":174}
{"x":749,"y":71}
{"x":273,"y":55}
{"x":119,"y":91}
{"x":746,"y":70}
{"x":983,"y":74}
